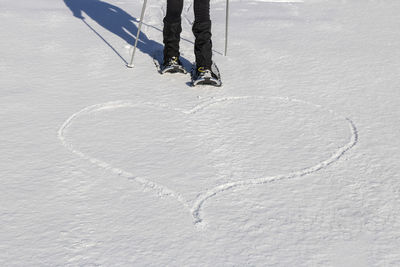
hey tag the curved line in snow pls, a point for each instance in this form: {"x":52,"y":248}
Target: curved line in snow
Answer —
{"x":162,"y":190}
{"x":199,"y":201}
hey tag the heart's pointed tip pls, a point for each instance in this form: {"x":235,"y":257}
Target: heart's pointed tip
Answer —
{"x":200,"y":224}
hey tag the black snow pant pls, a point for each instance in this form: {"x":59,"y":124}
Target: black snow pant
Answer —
{"x":201,"y":30}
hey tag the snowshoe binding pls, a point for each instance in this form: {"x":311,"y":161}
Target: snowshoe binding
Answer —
{"x":172,"y":65}
{"x":206,"y":76}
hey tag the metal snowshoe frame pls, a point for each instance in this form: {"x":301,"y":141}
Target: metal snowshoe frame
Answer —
{"x":207,"y":80}
{"x":130,"y":65}
{"x":176,"y":68}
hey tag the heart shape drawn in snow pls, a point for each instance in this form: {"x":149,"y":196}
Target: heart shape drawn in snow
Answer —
{"x":218,"y":146}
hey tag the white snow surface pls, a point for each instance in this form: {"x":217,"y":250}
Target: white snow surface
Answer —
{"x":294,"y":161}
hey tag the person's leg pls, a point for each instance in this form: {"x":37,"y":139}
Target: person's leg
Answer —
{"x":172,"y":29}
{"x":202,"y":32}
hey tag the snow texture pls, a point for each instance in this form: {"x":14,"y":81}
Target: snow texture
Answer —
{"x":294,"y":161}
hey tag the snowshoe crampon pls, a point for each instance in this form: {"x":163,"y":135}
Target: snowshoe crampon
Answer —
{"x":205,"y":76}
{"x":172,"y":65}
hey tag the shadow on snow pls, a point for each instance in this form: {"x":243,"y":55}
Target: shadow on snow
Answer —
{"x":115,"y":20}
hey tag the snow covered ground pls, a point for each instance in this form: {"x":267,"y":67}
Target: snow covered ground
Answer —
{"x":293,"y":162}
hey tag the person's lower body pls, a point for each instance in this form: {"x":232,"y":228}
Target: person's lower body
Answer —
{"x":201,"y":30}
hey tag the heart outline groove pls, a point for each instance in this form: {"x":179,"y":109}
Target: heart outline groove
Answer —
{"x":163,"y":191}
